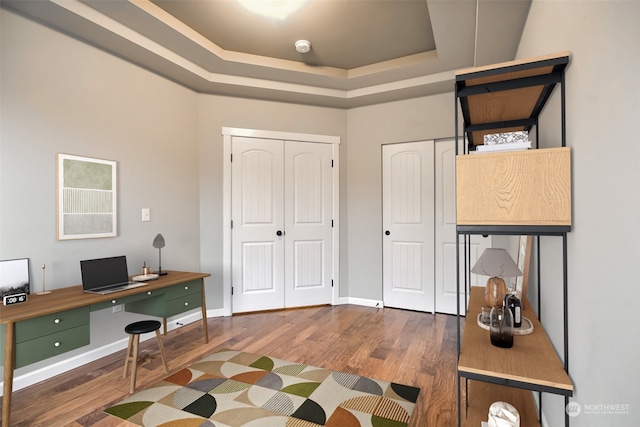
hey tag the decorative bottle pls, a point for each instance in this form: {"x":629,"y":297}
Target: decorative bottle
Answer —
{"x":501,"y":327}
{"x":513,"y":303}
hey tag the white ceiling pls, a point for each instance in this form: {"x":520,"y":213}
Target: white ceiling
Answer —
{"x":363,"y":51}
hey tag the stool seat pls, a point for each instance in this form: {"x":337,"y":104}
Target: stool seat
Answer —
{"x":142,"y":327}
{"x":134,"y":330}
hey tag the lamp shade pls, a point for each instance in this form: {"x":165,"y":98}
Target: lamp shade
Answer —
{"x":158,"y":242}
{"x":497,"y":263}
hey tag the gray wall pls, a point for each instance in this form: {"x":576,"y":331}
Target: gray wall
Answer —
{"x":602,"y":117}
{"x":60,"y":95}
{"x":369,"y":128}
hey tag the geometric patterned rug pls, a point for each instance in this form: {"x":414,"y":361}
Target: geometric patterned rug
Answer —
{"x":233,"y":389}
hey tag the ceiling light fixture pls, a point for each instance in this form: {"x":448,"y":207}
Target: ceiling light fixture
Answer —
{"x":278,"y":9}
{"x":303,"y":46}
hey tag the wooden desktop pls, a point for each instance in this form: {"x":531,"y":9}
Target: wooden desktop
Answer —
{"x":59,"y":322}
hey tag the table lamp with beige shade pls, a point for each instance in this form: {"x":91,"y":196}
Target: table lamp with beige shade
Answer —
{"x":496,"y":263}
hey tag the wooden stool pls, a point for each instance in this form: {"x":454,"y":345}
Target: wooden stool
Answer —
{"x":134,"y":330}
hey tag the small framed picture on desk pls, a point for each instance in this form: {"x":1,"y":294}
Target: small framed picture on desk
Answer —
{"x":14,"y":280}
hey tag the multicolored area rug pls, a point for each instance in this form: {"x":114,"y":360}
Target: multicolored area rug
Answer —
{"x":233,"y":389}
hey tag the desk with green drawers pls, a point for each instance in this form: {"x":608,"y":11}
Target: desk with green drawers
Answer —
{"x":48,"y":325}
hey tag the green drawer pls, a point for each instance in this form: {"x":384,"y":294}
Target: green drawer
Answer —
{"x":149,"y":306}
{"x":126,"y":300}
{"x":189,"y":288}
{"x":41,"y":348}
{"x":177,"y":299}
{"x":50,"y":324}
{"x":185,"y":303}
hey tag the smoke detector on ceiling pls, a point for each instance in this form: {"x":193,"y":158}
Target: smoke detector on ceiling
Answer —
{"x":303,"y":46}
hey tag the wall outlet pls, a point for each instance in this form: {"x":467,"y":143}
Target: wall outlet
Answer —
{"x":117,"y":308}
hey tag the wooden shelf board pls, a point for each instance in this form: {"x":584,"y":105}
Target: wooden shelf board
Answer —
{"x":499,"y":68}
{"x":532,"y":361}
{"x":496,"y":106}
{"x":482,"y":395}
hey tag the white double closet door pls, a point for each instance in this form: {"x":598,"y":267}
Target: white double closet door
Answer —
{"x":419,"y":227}
{"x":281,"y":224}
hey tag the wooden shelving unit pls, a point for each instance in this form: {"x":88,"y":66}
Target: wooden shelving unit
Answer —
{"x":510,"y":193}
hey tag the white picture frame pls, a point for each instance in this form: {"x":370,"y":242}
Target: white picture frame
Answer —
{"x":86,"y":200}
{"x":14,"y":277}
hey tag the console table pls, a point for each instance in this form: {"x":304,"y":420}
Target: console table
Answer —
{"x":48,"y":325}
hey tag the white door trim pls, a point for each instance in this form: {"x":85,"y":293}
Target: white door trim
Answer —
{"x":287,"y":136}
{"x":227,"y":134}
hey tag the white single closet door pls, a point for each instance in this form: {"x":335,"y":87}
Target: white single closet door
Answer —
{"x":407,"y":216}
{"x":308,"y":223}
{"x":257,"y":180}
{"x":445,"y":232}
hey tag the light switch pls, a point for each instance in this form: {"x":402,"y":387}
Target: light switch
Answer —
{"x":146,"y":214}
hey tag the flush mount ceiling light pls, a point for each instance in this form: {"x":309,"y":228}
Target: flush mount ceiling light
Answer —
{"x":278,"y":9}
{"x":303,"y":46}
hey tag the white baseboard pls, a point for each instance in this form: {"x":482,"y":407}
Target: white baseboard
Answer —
{"x":33,"y":377}
{"x":360,"y":301}
{"x":38,"y":375}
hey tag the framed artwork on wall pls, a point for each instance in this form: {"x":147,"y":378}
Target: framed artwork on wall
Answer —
{"x":86,"y":197}
{"x":14,"y":277}
{"x":524,"y":257}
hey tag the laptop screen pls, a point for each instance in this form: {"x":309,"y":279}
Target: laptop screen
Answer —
{"x":97,"y":273}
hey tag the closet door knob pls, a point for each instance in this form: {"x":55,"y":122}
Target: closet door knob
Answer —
{"x":279,"y":233}
{"x":387,"y":232}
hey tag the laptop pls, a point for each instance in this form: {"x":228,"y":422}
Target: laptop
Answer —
{"x":106,"y":275}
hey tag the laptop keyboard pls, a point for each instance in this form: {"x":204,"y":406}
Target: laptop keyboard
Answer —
{"x":116,"y":288}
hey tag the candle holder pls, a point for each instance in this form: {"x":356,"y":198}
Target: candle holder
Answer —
{"x":44,"y":291}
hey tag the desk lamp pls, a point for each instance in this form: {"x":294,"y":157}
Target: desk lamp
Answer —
{"x":496,"y":263}
{"x":158,"y":243}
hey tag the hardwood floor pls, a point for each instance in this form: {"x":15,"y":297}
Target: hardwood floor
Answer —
{"x":408,"y":347}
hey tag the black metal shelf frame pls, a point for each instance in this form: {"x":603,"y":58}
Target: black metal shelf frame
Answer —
{"x":461,"y":93}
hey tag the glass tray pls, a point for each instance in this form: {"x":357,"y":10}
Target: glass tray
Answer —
{"x":525,"y":329}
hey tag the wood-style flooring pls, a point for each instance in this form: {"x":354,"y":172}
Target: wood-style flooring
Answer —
{"x":412,"y":348}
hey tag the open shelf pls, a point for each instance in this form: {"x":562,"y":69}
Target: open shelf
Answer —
{"x":484,"y":394}
{"x":508,"y":96}
{"x":532,"y":363}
